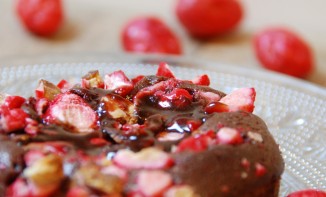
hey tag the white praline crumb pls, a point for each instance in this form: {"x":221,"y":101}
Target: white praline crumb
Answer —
{"x":244,"y":175}
{"x":255,"y":136}
{"x":118,"y":113}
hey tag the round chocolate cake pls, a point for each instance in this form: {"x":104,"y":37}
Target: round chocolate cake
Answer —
{"x":150,"y":136}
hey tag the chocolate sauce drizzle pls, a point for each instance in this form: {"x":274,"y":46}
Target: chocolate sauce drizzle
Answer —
{"x":155,"y":118}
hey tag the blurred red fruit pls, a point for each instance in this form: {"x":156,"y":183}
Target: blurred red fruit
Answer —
{"x":283,"y":51}
{"x":150,"y":35}
{"x":41,"y":17}
{"x":207,"y":18}
{"x":308,"y":193}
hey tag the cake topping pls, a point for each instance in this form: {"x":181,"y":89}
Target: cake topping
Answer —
{"x":118,"y":82}
{"x":164,"y":70}
{"x":170,"y":136}
{"x":90,"y":175}
{"x":225,"y":189}
{"x":115,"y":136}
{"x":117,"y":108}
{"x":180,"y":191}
{"x":240,"y":99}
{"x":92,"y":80}
{"x":244,"y":175}
{"x":72,"y":112}
{"x":64,"y":85}
{"x":228,"y":135}
{"x":197,"y":143}
{"x":115,"y":170}
{"x":45,"y":171}
{"x":148,"y":158}
{"x":245,"y":163}
{"x":208,"y":97}
{"x":41,"y":178}
{"x":216,"y":107}
{"x":46,"y":90}
{"x":255,"y":136}
{"x":33,"y":155}
{"x":260,"y":170}
{"x":153,"y":183}
{"x":78,"y":191}
{"x":41,"y":105}
{"x":201,"y":80}
{"x":13,"y":102}
{"x":12,"y":119}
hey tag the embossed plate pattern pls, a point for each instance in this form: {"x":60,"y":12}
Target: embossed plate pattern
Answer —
{"x":294,"y":110}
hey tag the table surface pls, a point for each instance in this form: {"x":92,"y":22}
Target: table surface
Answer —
{"x":95,"y":26}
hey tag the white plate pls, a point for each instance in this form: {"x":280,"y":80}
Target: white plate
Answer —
{"x":294,"y":110}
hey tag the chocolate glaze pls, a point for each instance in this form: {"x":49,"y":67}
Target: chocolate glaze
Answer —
{"x":145,"y":82}
{"x":156,"y":119}
{"x":57,"y":133}
{"x":195,"y":88}
{"x":221,"y":164}
{"x":11,"y":162}
{"x":91,"y":96}
{"x":148,"y":107}
{"x":152,"y":79}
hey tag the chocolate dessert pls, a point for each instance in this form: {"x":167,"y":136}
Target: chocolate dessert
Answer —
{"x":150,"y":136}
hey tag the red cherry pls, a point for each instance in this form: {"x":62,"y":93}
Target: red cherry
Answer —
{"x":308,"y":193}
{"x":283,"y":51}
{"x":41,"y":17}
{"x":150,"y":35}
{"x":207,"y":18}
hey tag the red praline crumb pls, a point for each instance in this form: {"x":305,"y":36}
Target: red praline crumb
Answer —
{"x":245,"y":163}
{"x":260,"y":170}
{"x":225,"y":188}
